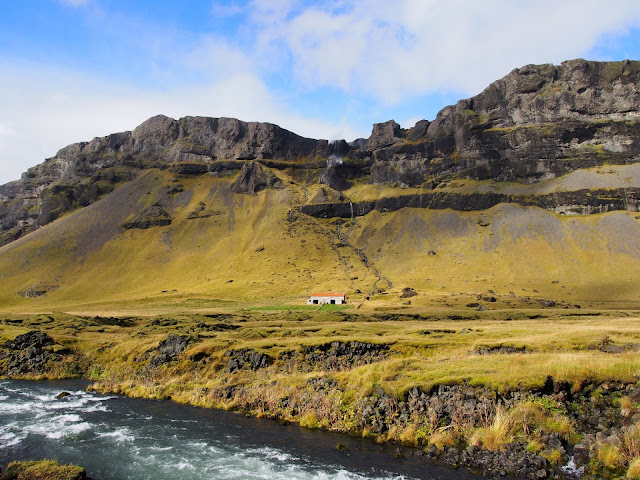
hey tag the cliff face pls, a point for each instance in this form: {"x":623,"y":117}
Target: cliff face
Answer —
{"x":537,"y":123}
{"x":191,"y":139}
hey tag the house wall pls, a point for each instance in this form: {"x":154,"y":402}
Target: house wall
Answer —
{"x":322,"y":300}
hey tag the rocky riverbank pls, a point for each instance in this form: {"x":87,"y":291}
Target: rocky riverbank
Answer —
{"x":589,"y":429}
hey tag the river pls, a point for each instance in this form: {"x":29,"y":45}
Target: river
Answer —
{"x":117,"y":438}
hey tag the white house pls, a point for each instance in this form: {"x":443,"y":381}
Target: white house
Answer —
{"x":333,"y":298}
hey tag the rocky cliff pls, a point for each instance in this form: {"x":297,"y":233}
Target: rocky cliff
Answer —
{"x":80,"y":173}
{"x":535,"y":124}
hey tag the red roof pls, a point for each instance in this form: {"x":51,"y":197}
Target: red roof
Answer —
{"x":328,"y":294}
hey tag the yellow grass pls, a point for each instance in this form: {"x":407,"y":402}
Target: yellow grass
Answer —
{"x":257,"y":251}
{"x":609,"y":455}
{"x":633,"y":472}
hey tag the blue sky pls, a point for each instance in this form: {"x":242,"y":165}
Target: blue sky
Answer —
{"x":71,"y":70}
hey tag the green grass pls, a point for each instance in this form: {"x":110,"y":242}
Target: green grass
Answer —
{"x":325,"y":307}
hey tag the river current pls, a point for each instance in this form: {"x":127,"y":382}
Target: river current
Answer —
{"x":118,"y":438}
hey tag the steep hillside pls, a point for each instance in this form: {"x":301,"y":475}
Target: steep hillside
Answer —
{"x":165,"y":241}
{"x":538,"y":123}
{"x":219,"y":245}
{"x":524,"y":194}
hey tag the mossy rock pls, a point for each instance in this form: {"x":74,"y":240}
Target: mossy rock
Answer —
{"x":43,"y":470}
{"x":153,"y":216}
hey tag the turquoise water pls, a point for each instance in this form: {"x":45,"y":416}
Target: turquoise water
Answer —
{"x":116,"y":437}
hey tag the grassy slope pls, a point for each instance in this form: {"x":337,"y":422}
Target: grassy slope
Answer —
{"x":246,"y":251}
{"x":523,"y":250}
{"x":256,"y":250}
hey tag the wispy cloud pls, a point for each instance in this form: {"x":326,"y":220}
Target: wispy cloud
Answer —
{"x":74,"y":3}
{"x":231,"y":9}
{"x":50,"y":108}
{"x":409,"y":47}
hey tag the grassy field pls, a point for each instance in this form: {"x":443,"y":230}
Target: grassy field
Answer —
{"x":501,"y":350}
{"x":427,"y":350}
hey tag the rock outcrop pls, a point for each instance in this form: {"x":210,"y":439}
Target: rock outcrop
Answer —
{"x":246,"y":358}
{"x":253,"y":178}
{"x":334,"y":356}
{"x":581,"y":202}
{"x":29,"y":353}
{"x":169,"y":349}
{"x":153,"y":216}
{"x":82,"y":172}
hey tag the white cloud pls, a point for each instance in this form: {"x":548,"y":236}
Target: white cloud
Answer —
{"x":394,"y":50}
{"x":47,"y":109}
{"x":219,"y":9}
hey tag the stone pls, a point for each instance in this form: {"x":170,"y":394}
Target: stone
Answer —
{"x":169,"y":349}
{"x":152,"y":216}
{"x":27,"y":354}
{"x":384,"y":135}
{"x":246,"y":358}
{"x":253,"y":178}
{"x":408,"y":292}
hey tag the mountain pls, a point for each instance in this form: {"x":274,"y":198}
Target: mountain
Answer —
{"x":494,"y":194}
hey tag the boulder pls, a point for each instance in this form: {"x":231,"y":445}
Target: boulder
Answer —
{"x":153,"y":216}
{"x":246,"y":358}
{"x":169,"y":349}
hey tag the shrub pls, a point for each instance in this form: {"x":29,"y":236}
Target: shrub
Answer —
{"x":631,"y":440}
{"x":609,"y":455}
{"x":309,"y":420}
{"x":495,"y":435}
{"x":442,"y":438}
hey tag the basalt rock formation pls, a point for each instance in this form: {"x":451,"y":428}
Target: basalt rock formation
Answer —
{"x":538,"y":123}
{"x":254,"y":178}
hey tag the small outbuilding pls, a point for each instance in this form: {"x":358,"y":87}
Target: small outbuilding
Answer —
{"x":332,"y":298}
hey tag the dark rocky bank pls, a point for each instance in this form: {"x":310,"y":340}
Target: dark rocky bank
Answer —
{"x":548,"y":427}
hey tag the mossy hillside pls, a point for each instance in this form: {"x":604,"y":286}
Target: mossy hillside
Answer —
{"x":251,"y":250}
{"x":512,"y":250}
{"x":259,"y":250}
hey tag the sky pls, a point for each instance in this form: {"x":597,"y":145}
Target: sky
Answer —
{"x":71,"y":70}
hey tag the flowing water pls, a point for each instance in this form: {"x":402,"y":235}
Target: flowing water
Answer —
{"x":115,"y":437}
